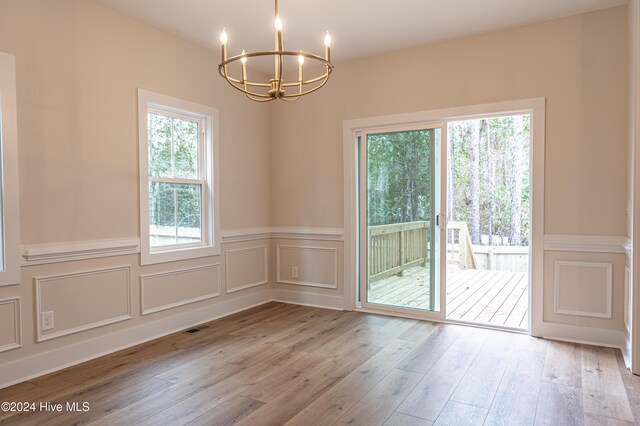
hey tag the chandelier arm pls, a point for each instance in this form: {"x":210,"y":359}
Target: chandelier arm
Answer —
{"x":314,"y":80}
{"x":253,"y":98}
{"x":240,"y":88}
{"x":235,"y":80}
{"x":308,"y":91}
{"x":291,"y":99}
{"x":280,"y":73}
{"x":274,"y":53}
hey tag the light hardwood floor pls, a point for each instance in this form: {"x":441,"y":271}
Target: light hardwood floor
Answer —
{"x":280,"y":363}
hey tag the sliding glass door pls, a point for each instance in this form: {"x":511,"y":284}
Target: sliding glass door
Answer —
{"x":399,"y":204}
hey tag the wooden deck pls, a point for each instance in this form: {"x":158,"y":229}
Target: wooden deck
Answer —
{"x":473,"y":295}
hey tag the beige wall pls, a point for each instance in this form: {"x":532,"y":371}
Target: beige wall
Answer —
{"x":579,"y":64}
{"x":79,"y":65}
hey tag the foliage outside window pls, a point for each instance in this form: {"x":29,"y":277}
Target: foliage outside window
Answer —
{"x":178,"y":193}
{"x":488,"y":181}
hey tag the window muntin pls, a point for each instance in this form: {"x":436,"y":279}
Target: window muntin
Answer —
{"x":177,"y":180}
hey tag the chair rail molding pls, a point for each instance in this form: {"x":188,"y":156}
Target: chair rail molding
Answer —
{"x":586,"y":243}
{"x":290,"y":233}
{"x":79,"y":250}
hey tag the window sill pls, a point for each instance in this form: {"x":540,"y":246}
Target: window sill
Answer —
{"x":148,"y":257}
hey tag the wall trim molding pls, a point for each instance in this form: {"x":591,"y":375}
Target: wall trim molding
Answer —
{"x":314,"y":300}
{"x":145,"y":311}
{"x":586,"y":243}
{"x":79,"y":250}
{"x":17,"y":321}
{"x":320,"y":234}
{"x":556,"y":288}
{"x":249,"y":285}
{"x":280,"y":280}
{"x":27,"y":368}
{"x":583,"y":335}
{"x":38,"y":254}
{"x":292,"y":233}
{"x":245,"y":234}
{"x":38,"y":284}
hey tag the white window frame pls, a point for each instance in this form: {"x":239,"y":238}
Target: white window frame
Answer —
{"x":9,"y":188}
{"x":208,"y":128}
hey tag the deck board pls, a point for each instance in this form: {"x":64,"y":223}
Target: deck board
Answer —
{"x":473,"y":295}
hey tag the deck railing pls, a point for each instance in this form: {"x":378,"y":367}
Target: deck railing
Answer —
{"x":399,"y":246}
{"x":396,"y":247}
{"x":467,"y":258}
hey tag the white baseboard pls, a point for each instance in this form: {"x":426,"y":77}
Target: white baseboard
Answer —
{"x":57,"y":359}
{"x":314,"y":300}
{"x":583,"y":335}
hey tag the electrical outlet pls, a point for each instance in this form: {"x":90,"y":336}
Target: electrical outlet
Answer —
{"x":47,"y":320}
{"x":294,"y":272}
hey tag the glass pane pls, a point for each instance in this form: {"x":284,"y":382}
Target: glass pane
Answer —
{"x":174,"y":214}
{"x":488,"y":212}
{"x":173,"y":147}
{"x":401,"y":219}
{"x":159,"y":145}
{"x":189,"y":213}
{"x":185,"y":146}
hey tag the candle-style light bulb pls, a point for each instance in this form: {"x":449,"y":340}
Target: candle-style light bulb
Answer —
{"x":223,"y":37}
{"x":278,"y":23}
{"x":300,"y":75}
{"x":327,"y":40}
{"x":327,"y":47}
{"x":243,"y":60}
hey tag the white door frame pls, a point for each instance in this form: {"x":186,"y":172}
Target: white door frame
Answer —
{"x":534,"y":106}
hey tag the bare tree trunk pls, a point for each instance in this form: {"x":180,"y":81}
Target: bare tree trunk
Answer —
{"x":490,"y":178}
{"x":516,"y":180}
{"x":475,"y":181}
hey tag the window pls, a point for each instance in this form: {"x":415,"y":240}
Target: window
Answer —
{"x":9,"y":200}
{"x":178,"y":157}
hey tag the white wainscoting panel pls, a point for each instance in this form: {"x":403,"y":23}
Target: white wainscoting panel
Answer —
{"x":246,"y":268}
{"x":166,"y":290}
{"x":83,"y":300}
{"x":317,"y":266}
{"x":583,"y":288}
{"x":10,"y":328}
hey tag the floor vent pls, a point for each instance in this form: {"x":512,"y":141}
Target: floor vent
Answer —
{"x":192,"y":330}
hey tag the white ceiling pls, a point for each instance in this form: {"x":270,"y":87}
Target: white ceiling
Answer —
{"x":358,"y":27}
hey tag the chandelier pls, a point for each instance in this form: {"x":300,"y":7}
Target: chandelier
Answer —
{"x":276,"y":88}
